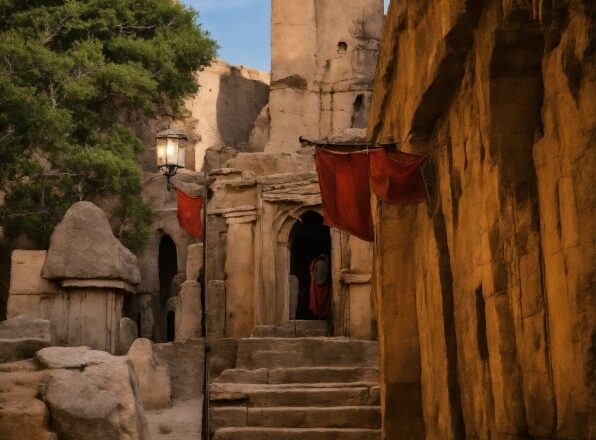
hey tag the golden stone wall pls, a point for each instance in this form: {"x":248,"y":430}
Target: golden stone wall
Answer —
{"x":485,"y":299}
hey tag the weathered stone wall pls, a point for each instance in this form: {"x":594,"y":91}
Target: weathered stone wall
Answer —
{"x":485,"y":300}
{"x":231,"y":103}
{"x":322,"y":65}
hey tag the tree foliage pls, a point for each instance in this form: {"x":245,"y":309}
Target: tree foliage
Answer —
{"x":69,"y":70}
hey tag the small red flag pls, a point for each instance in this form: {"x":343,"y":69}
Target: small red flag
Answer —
{"x":396,"y":177}
{"x":189,"y":213}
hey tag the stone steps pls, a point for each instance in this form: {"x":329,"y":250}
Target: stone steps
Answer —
{"x":293,"y":329}
{"x":270,"y":396}
{"x":296,"y":434}
{"x":363,"y":417}
{"x":306,"y":388}
{"x":254,"y":353}
{"x":300,"y":375}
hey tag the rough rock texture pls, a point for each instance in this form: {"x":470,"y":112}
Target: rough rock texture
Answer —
{"x":22,"y":415}
{"x":485,"y":300}
{"x":153,"y":376}
{"x":186,"y":362}
{"x":127,"y":335}
{"x":188,"y":311}
{"x":83,"y":246}
{"x":322,"y":66}
{"x":21,"y":327}
{"x":92,"y":395}
{"x":22,"y":348}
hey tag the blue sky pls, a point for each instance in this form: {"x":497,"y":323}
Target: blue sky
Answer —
{"x":241,"y":27}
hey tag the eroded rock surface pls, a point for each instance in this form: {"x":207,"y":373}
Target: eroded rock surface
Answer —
{"x":153,"y":375}
{"x":98,"y":254}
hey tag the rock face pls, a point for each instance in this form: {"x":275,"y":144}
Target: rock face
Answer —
{"x":153,"y":376}
{"x":26,"y":328}
{"x":96,"y":253}
{"x":485,"y":301}
{"x":322,"y":66}
{"x":92,"y":395}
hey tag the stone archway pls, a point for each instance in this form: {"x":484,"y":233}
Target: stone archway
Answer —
{"x":309,"y":238}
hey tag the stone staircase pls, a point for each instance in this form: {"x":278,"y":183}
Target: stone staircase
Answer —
{"x":298,"y":388}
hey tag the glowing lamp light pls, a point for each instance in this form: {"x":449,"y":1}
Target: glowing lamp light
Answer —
{"x":170,"y":146}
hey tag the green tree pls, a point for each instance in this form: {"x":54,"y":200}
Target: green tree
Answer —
{"x":69,"y":71}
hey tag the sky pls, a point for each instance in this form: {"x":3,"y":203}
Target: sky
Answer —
{"x":241,"y":27}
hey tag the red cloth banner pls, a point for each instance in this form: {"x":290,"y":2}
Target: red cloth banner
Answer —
{"x":396,"y":177}
{"x":345,"y":190}
{"x":189,"y":213}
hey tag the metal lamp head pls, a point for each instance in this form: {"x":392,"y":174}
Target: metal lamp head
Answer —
{"x":170,"y":149}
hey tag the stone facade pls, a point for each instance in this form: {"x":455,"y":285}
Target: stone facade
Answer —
{"x":485,"y":299}
{"x":322,"y":65}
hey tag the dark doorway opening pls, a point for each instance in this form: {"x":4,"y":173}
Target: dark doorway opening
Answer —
{"x":310,"y":238}
{"x":168,"y":267}
{"x":171,"y":326}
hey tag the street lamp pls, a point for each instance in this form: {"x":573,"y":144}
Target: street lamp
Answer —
{"x":170,"y":149}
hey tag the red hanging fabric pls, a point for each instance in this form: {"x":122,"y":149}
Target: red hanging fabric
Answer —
{"x":189,"y":213}
{"x":396,"y":177}
{"x":345,"y":190}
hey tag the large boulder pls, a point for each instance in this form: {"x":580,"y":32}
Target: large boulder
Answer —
{"x":83,"y":247}
{"x":22,"y":415}
{"x":92,"y":395}
{"x":153,"y":376}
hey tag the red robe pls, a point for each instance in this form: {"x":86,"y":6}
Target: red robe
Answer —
{"x":319,"y":295}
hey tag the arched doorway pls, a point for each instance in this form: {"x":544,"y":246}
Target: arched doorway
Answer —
{"x":168,"y":268}
{"x":309,"y":239}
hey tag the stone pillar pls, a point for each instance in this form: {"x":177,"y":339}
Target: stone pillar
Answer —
{"x":239,"y":270}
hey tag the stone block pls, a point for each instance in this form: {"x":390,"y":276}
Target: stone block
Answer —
{"x":222,"y":356}
{"x":26,"y":328}
{"x":99,"y":401}
{"x":127,"y":335}
{"x":153,"y":376}
{"x":189,"y":311}
{"x":25,"y":274}
{"x":194,"y":262}
{"x":186,"y":361}
{"x":23,"y":305}
{"x":216,"y":310}
{"x":17,"y":349}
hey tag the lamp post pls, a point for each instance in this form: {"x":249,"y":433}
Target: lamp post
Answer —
{"x":170,"y":148}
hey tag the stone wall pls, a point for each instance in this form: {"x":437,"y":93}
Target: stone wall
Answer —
{"x":230,"y":105}
{"x":322,"y":65}
{"x":485,"y":298}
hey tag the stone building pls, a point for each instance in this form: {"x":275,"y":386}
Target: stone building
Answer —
{"x":244,"y":143}
{"x":485,"y":298}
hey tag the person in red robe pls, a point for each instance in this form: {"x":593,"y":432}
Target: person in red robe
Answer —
{"x":320,"y":286}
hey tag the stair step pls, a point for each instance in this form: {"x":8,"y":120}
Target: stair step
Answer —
{"x":300,"y":375}
{"x":294,"y":394}
{"x":368,"y":417}
{"x":296,"y":434}
{"x":293,"y":329}
{"x":255,"y":353}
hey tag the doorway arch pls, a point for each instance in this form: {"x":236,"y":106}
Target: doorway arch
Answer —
{"x":167,"y":266}
{"x":309,"y":238}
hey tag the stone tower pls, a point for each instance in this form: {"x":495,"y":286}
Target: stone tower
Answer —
{"x":323,"y":58}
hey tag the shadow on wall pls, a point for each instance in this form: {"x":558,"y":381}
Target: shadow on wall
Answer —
{"x":239,"y":103}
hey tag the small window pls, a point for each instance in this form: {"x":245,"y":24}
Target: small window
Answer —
{"x":342,"y":47}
